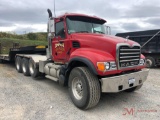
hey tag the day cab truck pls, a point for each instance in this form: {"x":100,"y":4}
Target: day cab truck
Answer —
{"x":81,"y":56}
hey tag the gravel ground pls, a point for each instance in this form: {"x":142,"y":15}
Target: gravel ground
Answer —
{"x":22,"y":98}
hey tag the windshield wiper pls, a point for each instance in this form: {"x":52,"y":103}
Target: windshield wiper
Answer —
{"x":98,"y":32}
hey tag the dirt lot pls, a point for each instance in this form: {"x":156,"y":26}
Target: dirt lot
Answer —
{"x":22,"y":98}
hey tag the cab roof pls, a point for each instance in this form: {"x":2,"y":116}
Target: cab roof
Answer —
{"x":81,"y":15}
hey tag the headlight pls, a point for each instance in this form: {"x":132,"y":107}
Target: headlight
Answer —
{"x":107,"y":65}
{"x":142,"y":62}
{"x":113,"y":66}
{"x":104,"y":66}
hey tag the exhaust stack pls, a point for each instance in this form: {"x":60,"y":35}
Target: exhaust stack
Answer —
{"x":51,"y":33}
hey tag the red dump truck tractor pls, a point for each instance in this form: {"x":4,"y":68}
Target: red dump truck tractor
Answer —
{"x":81,"y":56}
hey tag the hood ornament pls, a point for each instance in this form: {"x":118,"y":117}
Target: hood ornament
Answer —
{"x":126,"y":40}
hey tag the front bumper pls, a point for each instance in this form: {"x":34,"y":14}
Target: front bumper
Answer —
{"x":121,"y":82}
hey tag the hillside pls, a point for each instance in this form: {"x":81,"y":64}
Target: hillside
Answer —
{"x":40,"y":36}
{"x":7,"y":40}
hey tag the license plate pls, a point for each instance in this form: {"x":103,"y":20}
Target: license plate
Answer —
{"x":131,"y":80}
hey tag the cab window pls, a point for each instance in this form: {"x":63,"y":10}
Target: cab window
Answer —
{"x":60,"y":29}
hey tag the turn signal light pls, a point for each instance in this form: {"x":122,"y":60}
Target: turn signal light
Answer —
{"x":101,"y":66}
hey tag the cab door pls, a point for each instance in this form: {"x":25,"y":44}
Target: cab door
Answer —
{"x":60,"y":43}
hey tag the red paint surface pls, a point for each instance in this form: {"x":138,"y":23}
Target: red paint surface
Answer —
{"x":94,"y":47}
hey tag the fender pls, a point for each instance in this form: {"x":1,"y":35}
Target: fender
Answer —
{"x":90,"y":57}
{"x":85,"y":61}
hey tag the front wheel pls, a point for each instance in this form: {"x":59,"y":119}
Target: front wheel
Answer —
{"x":84,"y":88}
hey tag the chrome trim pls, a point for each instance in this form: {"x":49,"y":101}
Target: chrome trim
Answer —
{"x":129,"y":56}
{"x":110,"y":68}
{"x":130,"y":53}
{"x":117,"y":54}
{"x":129,"y":49}
{"x":128,"y":60}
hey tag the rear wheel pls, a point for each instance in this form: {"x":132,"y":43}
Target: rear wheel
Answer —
{"x":150,"y":62}
{"x":25,"y":66}
{"x":84,"y":88}
{"x":1,"y":61}
{"x":18,"y":63}
{"x":33,"y":69}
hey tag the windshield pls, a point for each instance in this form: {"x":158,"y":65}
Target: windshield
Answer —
{"x":79,"y":24}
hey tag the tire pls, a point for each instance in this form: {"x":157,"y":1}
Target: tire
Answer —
{"x":133,"y":89}
{"x":1,"y":61}
{"x":18,"y":63}
{"x":84,"y":88}
{"x":150,"y":62}
{"x":25,"y":67}
{"x":33,"y":70}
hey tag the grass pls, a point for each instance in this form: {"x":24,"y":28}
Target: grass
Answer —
{"x":7,"y":43}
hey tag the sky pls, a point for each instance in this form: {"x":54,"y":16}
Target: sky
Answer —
{"x":23,"y":16}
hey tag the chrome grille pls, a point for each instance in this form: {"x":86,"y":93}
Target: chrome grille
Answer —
{"x":128,"y":56}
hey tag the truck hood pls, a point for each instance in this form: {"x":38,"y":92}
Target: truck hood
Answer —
{"x":102,"y":42}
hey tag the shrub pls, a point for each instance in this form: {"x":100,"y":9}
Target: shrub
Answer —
{"x":32,"y":36}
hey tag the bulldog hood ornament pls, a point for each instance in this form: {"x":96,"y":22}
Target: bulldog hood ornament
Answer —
{"x":126,"y":40}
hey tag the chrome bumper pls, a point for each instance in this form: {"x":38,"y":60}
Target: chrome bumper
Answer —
{"x":121,"y":82}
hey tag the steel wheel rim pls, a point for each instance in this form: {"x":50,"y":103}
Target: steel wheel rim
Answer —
{"x":31,"y":68}
{"x":17,"y":65}
{"x":24,"y":68}
{"x":77,"y":88}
